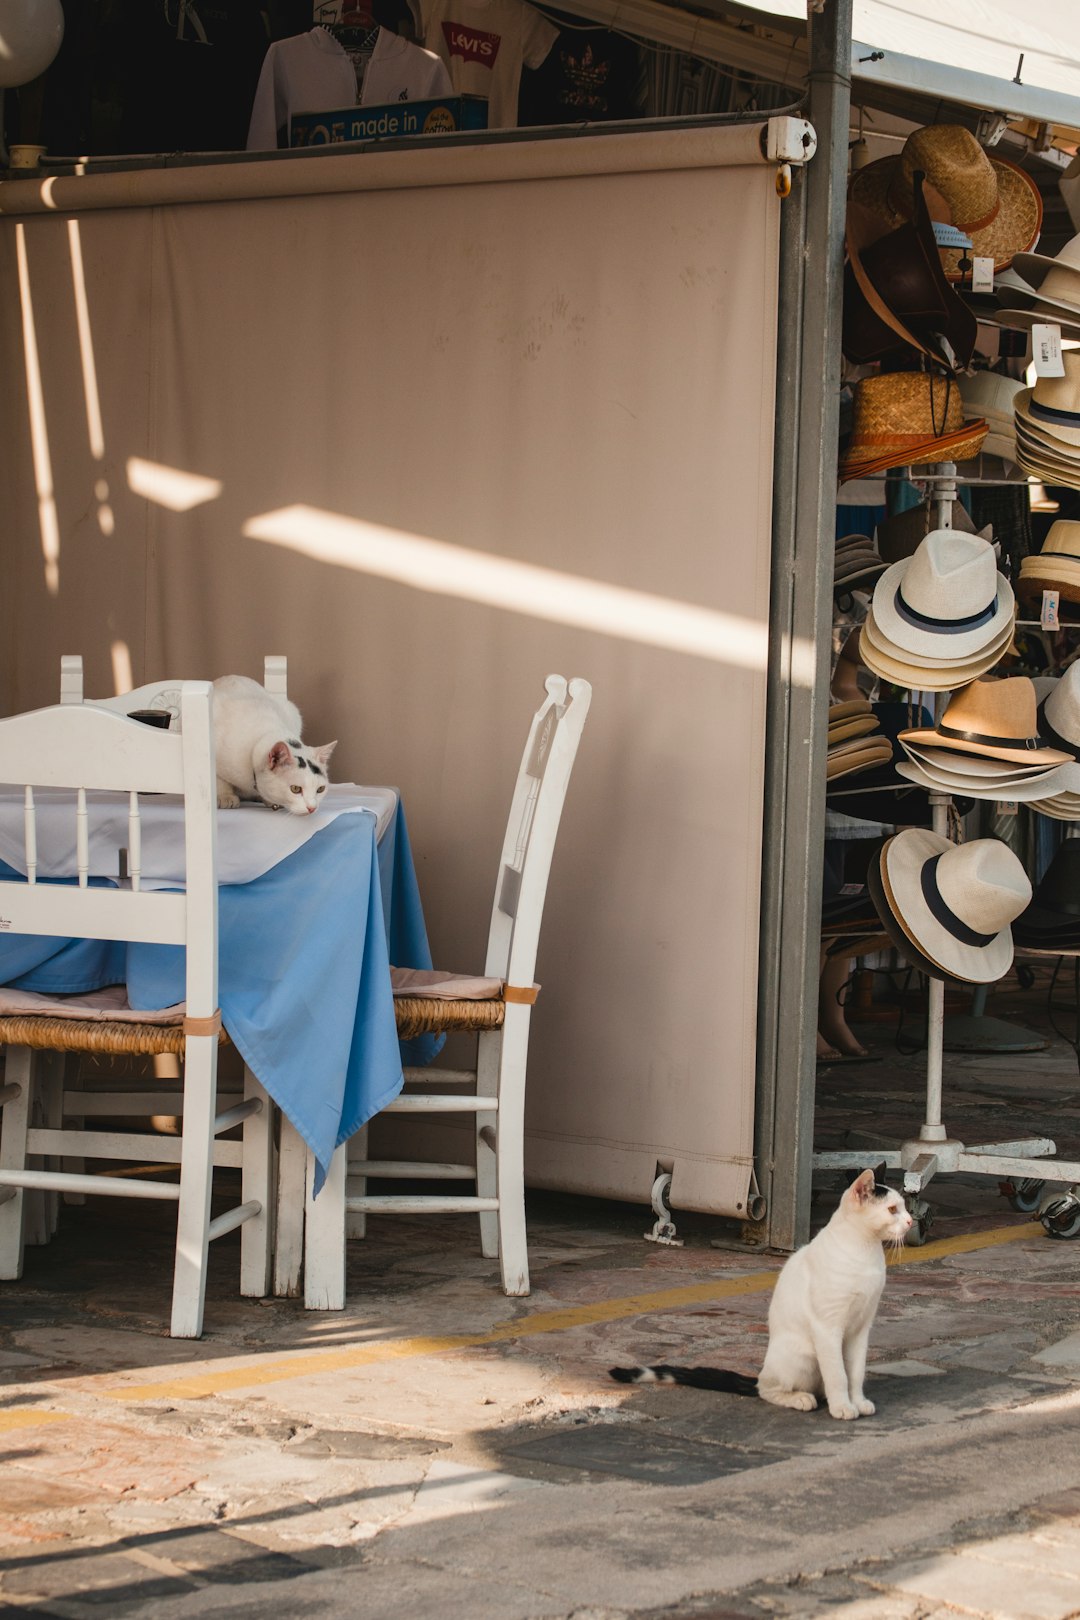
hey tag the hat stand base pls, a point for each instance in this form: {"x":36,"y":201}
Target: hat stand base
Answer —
{"x":933,"y":1152}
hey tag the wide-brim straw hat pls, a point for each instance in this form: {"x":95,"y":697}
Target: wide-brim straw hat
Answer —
{"x":849,"y":706}
{"x":1022,"y":317}
{"x":856,"y":725}
{"x":974,"y":767}
{"x":993,"y":202}
{"x":896,"y":291}
{"x":1053,"y":404}
{"x":957,"y":901}
{"x":1055,"y":568}
{"x":1039,"y":447}
{"x":994,"y":719}
{"x":944,"y":678}
{"x":933,"y":660}
{"x":1057,"y":279}
{"x":947,"y":600}
{"x":1046,"y":471}
{"x":883,"y":905}
{"x":873,"y":752}
{"x":908,"y":416}
{"x":1062,"y":807}
{"x":1016,"y":790}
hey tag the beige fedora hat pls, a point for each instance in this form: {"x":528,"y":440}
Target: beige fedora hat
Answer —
{"x":945,"y":601}
{"x":1053,"y":405}
{"x":1059,"y":711}
{"x":877,"y":638}
{"x":1062,"y":807}
{"x":971,"y":766}
{"x":877,"y":883}
{"x":1056,"y":280}
{"x":857,"y":725}
{"x":907,"y":416}
{"x":956,"y":901}
{"x":996,"y":719}
{"x":988,"y":394}
{"x":1056,"y":566}
{"x":1029,"y":314}
{"x":1049,"y":472}
{"x":1015,"y":790}
{"x":989,"y":200}
{"x":942,"y":678}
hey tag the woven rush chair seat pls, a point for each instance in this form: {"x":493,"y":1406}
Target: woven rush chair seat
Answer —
{"x":91,"y":1035}
{"x":435,"y":1015}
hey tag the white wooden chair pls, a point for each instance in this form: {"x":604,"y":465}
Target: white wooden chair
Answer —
{"x":495,"y":1088}
{"x":83,"y":747}
{"x":288,"y":1213}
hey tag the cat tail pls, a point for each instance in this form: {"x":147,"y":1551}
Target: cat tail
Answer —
{"x":722,"y":1378}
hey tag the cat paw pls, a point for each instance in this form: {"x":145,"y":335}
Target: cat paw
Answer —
{"x":866,"y":1408}
{"x":228,"y":801}
{"x":843,"y":1409}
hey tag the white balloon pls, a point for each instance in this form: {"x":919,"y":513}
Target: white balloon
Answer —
{"x":30,"y":35}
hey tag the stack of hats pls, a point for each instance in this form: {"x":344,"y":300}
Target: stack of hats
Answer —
{"x":1052,"y":921}
{"x":1056,"y":567}
{"x":941,"y":617}
{"x":1048,"y":425}
{"x":1044,"y":290}
{"x":1059,"y":724}
{"x":902,"y":417}
{"x":947,"y":907}
{"x":857,"y":562}
{"x":856,"y":741}
{"x":993,"y":397}
{"x":982,"y":205}
{"x":987,"y":746}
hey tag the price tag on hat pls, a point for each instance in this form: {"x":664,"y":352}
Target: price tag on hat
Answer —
{"x":1005,"y":807}
{"x":1046,"y":351}
{"x":982,"y":274}
{"x":1048,"y":618}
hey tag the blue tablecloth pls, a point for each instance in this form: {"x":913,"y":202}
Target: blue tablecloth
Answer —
{"x":303,"y":977}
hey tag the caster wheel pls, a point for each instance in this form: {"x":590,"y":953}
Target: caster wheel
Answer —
{"x":922,"y":1219}
{"x":1060,"y":1215}
{"x":1024,"y":1195}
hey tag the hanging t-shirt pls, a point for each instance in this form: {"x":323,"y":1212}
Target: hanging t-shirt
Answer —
{"x":591,"y":75}
{"x":314,"y":73}
{"x":484,"y":44}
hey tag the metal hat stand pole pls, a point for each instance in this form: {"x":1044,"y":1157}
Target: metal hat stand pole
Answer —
{"x":933,"y":1152}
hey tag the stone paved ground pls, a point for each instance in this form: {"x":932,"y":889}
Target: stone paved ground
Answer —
{"x":347,"y":1465}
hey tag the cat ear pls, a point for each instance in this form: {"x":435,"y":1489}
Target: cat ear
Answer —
{"x":321,"y":755}
{"x":279,"y":756}
{"x":862,"y":1188}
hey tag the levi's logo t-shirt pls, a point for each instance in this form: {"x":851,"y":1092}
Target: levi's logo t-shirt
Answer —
{"x":484,"y":44}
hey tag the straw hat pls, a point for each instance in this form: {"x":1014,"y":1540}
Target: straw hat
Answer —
{"x":975,"y":767}
{"x":1010,"y":789}
{"x":942,"y":678}
{"x":850,"y":706}
{"x":1053,"y":405}
{"x":947,"y":601}
{"x":857,"y":725}
{"x":907,"y":416}
{"x":1032,"y":313}
{"x":956,"y":901}
{"x":994,"y":719}
{"x":993,"y":397}
{"x":1047,"y":469}
{"x":883,"y":904}
{"x":989,"y":200}
{"x":856,"y":558}
{"x":1056,"y":567}
{"x":1059,"y":711}
{"x":895,"y":288}
{"x":1057,"y":280}
{"x":920,"y":662}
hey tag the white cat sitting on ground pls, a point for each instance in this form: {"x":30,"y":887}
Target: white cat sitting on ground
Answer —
{"x":259,"y":751}
{"x":822,"y":1310}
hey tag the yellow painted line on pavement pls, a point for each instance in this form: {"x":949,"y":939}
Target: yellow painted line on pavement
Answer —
{"x":274,"y":1370}
{"x":25,"y":1417}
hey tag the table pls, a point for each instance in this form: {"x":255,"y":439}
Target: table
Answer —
{"x":305,"y":944}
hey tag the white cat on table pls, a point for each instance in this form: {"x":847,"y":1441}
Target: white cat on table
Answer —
{"x":259,"y":751}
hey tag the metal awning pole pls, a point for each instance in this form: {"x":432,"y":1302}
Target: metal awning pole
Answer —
{"x":807,"y":422}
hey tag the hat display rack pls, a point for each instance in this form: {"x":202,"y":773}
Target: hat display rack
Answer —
{"x":994,"y":205}
{"x":1024,"y":1165}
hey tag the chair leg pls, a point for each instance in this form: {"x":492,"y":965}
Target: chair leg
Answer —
{"x":489,"y":1047}
{"x":513,"y":1245}
{"x":256,"y":1246}
{"x":50,"y":1101}
{"x":324,"y":1237}
{"x":356,"y":1184}
{"x":289,"y":1211}
{"x":14,"y":1124}
{"x":196,"y":1178}
{"x":73,"y":1082}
